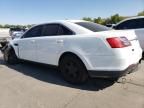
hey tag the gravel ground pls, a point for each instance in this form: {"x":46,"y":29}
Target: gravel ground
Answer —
{"x":29,"y":85}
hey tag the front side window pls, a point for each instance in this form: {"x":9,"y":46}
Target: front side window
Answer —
{"x":34,"y":32}
{"x":123,"y":25}
{"x":140,"y":23}
{"x":64,"y":31}
{"x":131,"y":24}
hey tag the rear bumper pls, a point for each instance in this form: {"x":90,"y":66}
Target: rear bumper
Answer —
{"x":114,"y":74}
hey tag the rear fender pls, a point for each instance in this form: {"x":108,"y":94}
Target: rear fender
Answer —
{"x":79,"y":54}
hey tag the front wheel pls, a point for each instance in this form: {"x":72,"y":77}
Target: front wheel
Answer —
{"x":73,"y":70}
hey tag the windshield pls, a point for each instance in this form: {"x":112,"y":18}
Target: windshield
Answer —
{"x":93,"y":26}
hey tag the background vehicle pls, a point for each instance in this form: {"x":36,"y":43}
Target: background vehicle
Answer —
{"x":110,"y":25}
{"x":13,"y":30}
{"x":80,"y":49}
{"x":135,"y":23}
{"x":17,"y":34}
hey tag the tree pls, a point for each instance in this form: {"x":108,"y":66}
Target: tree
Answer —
{"x":108,"y":21}
{"x":99,"y":20}
{"x":7,"y":26}
{"x":29,"y":26}
{"x":116,"y":18}
{"x":141,"y":13}
{"x":88,"y":19}
{"x":111,"y":20}
{"x":1,"y":26}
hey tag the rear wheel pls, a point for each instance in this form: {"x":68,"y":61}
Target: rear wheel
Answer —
{"x":10,"y":56}
{"x":73,"y":70}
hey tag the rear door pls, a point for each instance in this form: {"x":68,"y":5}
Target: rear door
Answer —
{"x":27,"y":45}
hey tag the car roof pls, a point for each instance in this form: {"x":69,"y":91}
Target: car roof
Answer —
{"x":135,"y":17}
{"x":71,"y":25}
{"x":76,"y":21}
{"x":64,"y":21}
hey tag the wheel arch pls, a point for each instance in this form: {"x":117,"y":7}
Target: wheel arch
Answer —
{"x":79,"y":56}
{"x":8,"y":48}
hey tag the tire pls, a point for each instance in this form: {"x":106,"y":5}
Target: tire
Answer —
{"x":10,"y":56}
{"x":73,"y":70}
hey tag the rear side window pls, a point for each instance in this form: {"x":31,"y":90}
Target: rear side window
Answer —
{"x":34,"y":32}
{"x":64,"y":31}
{"x":50,"y":30}
{"x":131,"y":24}
{"x":93,"y":26}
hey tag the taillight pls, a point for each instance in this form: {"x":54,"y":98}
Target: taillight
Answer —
{"x":118,"y":42}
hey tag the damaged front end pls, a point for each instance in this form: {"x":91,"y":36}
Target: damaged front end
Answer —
{"x":3,"y":44}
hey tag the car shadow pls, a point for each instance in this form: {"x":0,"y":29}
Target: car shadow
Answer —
{"x":52,"y":75}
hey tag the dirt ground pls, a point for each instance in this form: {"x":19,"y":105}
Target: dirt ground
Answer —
{"x":29,"y":85}
{"x":4,"y":33}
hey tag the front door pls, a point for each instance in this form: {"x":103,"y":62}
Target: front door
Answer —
{"x":27,"y":44}
{"x":51,"y":43}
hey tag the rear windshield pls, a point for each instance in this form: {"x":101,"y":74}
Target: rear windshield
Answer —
{"x":93,"y":26}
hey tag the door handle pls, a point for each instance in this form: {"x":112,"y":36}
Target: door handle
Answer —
{"x":59,"y":41}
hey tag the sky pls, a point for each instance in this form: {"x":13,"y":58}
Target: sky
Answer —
{"x":40,"y":11}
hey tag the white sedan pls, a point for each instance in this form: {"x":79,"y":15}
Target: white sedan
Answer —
{"x":79,"y":48}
